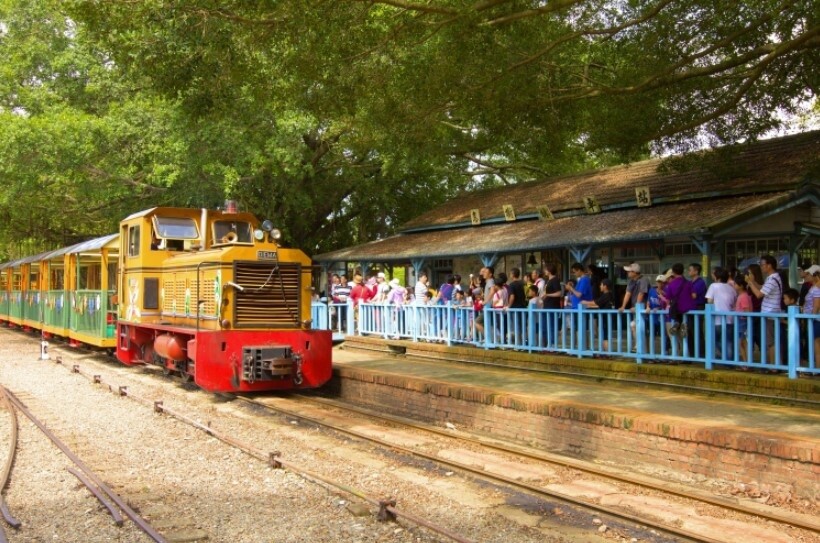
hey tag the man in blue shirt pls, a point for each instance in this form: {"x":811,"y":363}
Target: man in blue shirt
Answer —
{"x":581,"y":289}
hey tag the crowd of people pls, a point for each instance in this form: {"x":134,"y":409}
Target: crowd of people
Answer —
{"x":669,"y":303}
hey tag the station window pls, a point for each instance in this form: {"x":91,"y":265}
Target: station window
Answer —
{"x":681,"y":249}
{"x":134,"y":241}
{"x":636,"y":252}
{"x":741,"y":253}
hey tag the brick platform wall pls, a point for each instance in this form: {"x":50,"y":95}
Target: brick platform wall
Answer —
{"x":622,"y":437}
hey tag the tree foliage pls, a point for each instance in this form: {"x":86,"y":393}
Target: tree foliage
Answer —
{"x":341,"y":119}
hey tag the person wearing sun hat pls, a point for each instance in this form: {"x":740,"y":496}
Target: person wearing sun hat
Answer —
{"x":656,"y":302}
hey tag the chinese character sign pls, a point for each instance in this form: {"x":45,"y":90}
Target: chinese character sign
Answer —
{"x":642,"y":196}
{"x":591,"y":204}
{"x":545,"y":214}
{"x":509,"y":213}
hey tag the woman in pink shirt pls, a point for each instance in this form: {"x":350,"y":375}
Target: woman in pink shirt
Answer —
{"x":743,"y":304}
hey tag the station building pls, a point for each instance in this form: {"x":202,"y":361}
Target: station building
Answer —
{"x":722,"y":207}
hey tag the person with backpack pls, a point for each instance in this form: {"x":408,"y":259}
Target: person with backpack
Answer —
{"x":771,"y":295}
{"x":678,"y":296}
{"x":445,"y":291}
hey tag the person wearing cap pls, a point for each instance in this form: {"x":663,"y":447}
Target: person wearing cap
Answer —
{"x":655,"y":302}
{"x":382,"y":288}
{"x":807,"y":274}
{"x":811,"y":306}
{"x":636,"y":291}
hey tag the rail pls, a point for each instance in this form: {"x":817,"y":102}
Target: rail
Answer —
{"x":774,"y":342}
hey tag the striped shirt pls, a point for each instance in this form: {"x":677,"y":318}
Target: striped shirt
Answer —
{"x":772,"y":290}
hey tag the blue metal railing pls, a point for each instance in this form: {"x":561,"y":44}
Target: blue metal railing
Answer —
{"x":765,"y":341}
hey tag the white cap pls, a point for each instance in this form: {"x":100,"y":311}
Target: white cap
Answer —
{"x":634,"y":267}
{"x":813,"y":269}
{"x":380,"y":275}
{"x":394,"y":282}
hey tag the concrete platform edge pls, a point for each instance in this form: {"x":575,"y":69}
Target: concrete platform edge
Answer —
{"x":732,"y":454}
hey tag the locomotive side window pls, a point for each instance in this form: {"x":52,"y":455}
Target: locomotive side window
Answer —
{"x":134,"y":241}
{"x":232,"y":232}
{"x":176,"y":228}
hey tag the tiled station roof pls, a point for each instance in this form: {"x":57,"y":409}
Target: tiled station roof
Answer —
{"x":636,"y":224}
{"x":739,"y":169}
{"x":695,"y":194}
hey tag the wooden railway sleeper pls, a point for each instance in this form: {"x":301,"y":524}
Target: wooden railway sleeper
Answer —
{"x":273,"y":460}
{"x":386,"y":511}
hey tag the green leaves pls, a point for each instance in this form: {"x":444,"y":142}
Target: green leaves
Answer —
{"x":341,"y":120}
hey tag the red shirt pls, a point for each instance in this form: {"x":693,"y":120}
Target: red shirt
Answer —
{"x":360,"y":293}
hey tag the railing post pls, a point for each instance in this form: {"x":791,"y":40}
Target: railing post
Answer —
{"x":709,"y":334}
{"x":581,"y":329}
{"x":530,"y":328}
{"x":640,"y":332}
{"x":793,"y":337}
{"x":351,"y":318}
{"x":448,"y":314}
{"x":487,"y":327}
{"x":416,"y":321}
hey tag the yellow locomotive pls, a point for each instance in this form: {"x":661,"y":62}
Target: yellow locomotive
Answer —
{"x":210,"y":295}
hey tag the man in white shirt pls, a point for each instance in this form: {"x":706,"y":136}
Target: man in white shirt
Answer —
{"x":723,"y":296}
{"x":771,"y":293}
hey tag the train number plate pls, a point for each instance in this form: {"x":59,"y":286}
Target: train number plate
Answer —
{"x":266,"y":255}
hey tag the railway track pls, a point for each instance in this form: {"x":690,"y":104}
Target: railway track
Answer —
{"x":357,"y":422}
{"x":766,"y":513}
{"x":110,"y":500}
{"x":646,"y":527}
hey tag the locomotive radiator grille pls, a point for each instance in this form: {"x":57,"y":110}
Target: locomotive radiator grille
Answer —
{"x":270,"y":294}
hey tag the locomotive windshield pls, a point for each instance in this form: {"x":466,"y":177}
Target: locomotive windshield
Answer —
{"x":176,"y":228}
{"x":232,"y":231}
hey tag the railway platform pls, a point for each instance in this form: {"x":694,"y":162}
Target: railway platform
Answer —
{"x":756,"y":434}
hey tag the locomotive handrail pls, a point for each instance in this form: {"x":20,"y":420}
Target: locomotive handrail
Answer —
{"x":199,"y":302}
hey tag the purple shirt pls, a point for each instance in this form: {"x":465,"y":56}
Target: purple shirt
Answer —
{"x":699,"y":288}
{"x":679,"y":291}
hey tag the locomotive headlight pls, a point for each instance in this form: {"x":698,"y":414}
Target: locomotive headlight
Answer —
{"x":267,"y":226}
{"x":276,"y":234}
{"x":259,"y":234}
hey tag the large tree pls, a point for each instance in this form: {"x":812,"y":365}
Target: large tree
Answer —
{"x":511,"y":86}
{"x":341,"y":119}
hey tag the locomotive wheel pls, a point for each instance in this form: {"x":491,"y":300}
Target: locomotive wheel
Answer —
{"x":184,"y":376}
